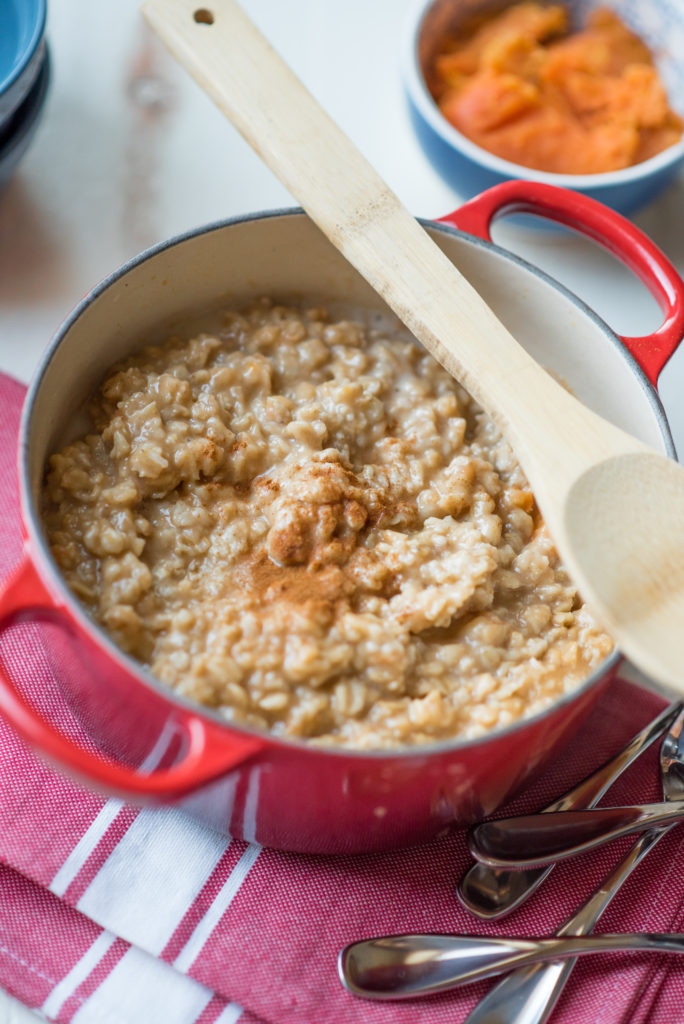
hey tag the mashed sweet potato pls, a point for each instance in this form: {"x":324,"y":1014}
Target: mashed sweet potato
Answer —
{"x":522,"y":86}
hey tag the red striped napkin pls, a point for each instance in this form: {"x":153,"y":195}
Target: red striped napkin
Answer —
{"x":113,"y":915}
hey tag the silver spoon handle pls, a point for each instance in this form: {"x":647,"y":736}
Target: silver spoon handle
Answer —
{"x":529,"y":995}
{"x":491,"y":893}
{"x":406,"y":966}
{"x":590,"y":791}
{"x":539,"y":838}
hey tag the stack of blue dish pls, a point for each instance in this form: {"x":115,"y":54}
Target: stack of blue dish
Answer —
{"x":24,"y":78}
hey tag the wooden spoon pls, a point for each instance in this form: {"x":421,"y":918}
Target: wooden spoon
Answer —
{"x":614,"y":507}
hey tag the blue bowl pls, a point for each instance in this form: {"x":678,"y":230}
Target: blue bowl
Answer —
{"x":17,"y":134}
{"x":22,"y":52}
{"x":471,"y":169}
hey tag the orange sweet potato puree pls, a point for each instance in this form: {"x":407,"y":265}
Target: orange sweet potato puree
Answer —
{"x":524,"y":87}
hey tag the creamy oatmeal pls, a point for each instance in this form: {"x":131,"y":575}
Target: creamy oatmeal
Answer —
{"x":310,"y":527}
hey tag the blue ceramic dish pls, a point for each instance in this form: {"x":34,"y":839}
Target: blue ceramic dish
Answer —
{"x":470,"y":169}
{"x":18,"y":133}
{"x":22,"y":52}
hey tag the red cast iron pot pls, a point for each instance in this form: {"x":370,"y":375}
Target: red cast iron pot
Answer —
{"x":143,"y":743}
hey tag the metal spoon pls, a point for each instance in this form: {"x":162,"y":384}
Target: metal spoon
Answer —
{"x":540,"y":838}
{"x":614,"y":506}
{"x":528,"y":995}
{"x":406,"y":966}
{"x":491,"y":893}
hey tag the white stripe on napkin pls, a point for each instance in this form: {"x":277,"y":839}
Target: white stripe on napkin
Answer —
{"x":213,"y":804}
{"x":168,"y":733}
{"x":92,"y":836}
{"x":142,"y":988}
{"x":230,"y":1014}
{"x":249,"y":817}
{"x":78,"y":974}
{"x":84,"y":847}
{"x":216,"y":910}
{"x":152,"y":876}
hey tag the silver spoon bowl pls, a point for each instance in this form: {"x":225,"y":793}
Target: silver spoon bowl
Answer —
{"x":534,"y":839}
{"x":399,"y":967}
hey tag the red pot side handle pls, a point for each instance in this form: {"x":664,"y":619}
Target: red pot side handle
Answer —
{"x":209,"y":752}
{"x":611,"y":230}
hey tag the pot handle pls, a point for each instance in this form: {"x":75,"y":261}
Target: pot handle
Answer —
{"x":611,"y":230}
{"x":208,"y":755}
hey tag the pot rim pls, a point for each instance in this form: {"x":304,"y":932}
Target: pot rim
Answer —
{"x":40,"y":554}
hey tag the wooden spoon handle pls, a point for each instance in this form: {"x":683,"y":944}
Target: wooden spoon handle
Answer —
{"x":354,"y":207}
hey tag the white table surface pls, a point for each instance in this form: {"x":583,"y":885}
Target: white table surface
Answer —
{"x":130,"y":152}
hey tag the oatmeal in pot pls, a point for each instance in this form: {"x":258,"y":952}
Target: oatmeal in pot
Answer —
{"x":308,"y":526}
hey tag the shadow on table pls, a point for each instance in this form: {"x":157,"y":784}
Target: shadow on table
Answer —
{"x":32,"y":263}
